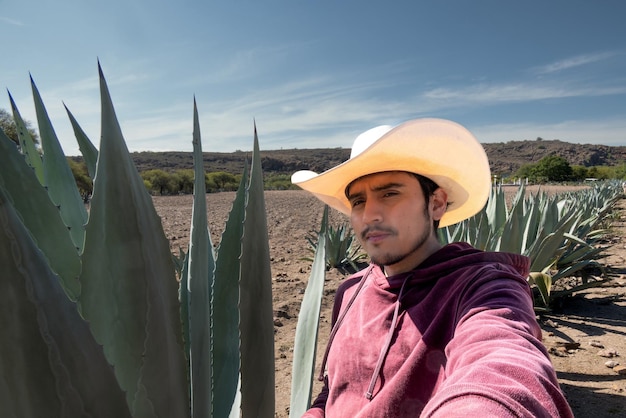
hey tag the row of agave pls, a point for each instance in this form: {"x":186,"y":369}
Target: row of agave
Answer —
{"x":560,"y":233}
{"x":92,"y":319}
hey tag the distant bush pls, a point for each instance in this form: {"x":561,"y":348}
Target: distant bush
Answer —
{"x":221,"y":181}
{"x":279,"y":182}
{"x":159,"y":182}
{"x":184,"y":180}
{"x":81,"y":176}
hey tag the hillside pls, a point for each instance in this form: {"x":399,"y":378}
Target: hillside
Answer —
{"x":504,"y":158}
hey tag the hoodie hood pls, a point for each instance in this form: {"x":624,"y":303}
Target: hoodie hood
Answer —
{"x":451,"y":258}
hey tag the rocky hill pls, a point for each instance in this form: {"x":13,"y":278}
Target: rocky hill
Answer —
{"x":504,"y":158}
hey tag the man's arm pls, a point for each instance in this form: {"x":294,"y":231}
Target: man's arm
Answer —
{"x":497,"y":365}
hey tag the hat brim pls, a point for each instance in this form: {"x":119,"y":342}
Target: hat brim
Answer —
{"x":441,"y":150}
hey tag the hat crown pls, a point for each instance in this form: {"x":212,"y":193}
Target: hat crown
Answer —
{"x":367,"y":138}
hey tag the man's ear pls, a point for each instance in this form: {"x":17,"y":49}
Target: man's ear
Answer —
{"x":438,"y":203}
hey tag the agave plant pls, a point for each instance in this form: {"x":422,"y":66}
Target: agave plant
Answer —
{"x":559,"y":233}
{"x":342,"y":251}
{"x":94,"y":321}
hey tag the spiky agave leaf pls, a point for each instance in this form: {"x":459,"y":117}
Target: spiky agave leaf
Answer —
{"x":495,"y":209}
{"x":27,"y":145}
{"x":129,"y":288}
{"x":257,"y":325}
{"x":513,"y":229}
{"x":307,"y":329}
{"x":58,"y":177}
{"x":200,"y":271}
{"x":225,"y":308}
{"x":183,"y":297}
{"x":40,"y":216}
{"x":49,"y":361}
{"x":87,"y":148}
{"x":543,"y":281}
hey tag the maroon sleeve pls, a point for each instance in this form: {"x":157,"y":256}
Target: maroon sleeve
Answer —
{"x":497,"y":365}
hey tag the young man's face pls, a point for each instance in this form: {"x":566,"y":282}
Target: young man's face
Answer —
{"x":392,"y":220}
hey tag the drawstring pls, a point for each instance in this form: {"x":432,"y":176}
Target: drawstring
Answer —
{"x":340,"y":320}
{"x":385,"y":349}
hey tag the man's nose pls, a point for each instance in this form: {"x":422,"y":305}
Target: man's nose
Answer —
{"x":371,"y":212}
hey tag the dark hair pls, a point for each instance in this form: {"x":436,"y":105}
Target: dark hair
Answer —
{"x":428,"y":188}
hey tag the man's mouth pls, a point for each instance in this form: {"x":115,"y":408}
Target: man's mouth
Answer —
{"x":375,"y":236}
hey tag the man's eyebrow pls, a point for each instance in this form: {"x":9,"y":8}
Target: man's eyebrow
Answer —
{"x":379,"y":188}
{"x":388,"y":186}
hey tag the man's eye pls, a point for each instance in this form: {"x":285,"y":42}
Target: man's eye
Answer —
{"x":355,"y":203}
{"x":390,"y":194}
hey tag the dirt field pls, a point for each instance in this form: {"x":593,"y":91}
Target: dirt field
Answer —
{"x":593,"y":319}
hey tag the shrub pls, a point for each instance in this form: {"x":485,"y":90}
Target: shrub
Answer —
{"x":342,"y":251}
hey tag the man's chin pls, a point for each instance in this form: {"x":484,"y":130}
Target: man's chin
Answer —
{"x":385,"y":259}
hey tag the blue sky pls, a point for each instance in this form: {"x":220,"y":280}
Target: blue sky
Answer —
{"x":314,"y":74}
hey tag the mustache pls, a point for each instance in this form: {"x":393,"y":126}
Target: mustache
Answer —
{"x":376,"y":228}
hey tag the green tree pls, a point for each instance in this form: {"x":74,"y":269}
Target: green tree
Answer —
{"x":81,"y":175}
{"x":553,"y":168}
{"x":526,"y":171}
{"x":7,"y":124}
{"x":620,"y":172}
{"x":603,"y":172}
{"x":221,"y":181}
{"x":159,"y":181}
{"x":184,"y":180}
{"x":579,"y":172}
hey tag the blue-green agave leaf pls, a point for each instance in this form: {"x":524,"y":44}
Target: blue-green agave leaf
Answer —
{"x":225,"y":308}
{"x":513,"y":229}
{"x":58,"y":177}
{"x":87,"y":148}
{"x":130,"y":295}
{"x":543,"y":281}
{"x":495,"y":209}
{"x":27,"y":145}
{"x":307,"y":329}
{"x":50,"y":364}
{"x":257,"y":325}
{"x":200,"y":271}
{"x":40,"y":216}
{"x":183,"y":294}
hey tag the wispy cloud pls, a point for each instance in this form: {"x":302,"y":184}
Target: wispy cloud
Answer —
{"x":244,"y":64}
{"x":10,"y":21}
{"x":517,"y":92}
{"x":573,"y":62}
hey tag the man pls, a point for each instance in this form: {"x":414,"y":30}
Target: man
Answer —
{"x":427,"y":330}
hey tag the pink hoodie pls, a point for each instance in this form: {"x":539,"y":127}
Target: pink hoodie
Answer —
{"x":462,"y":341}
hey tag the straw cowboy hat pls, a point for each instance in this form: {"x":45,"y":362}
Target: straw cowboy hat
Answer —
{"x":441,"y":150}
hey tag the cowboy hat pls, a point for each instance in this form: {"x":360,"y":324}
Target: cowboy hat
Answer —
{"x":441,"y":150}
